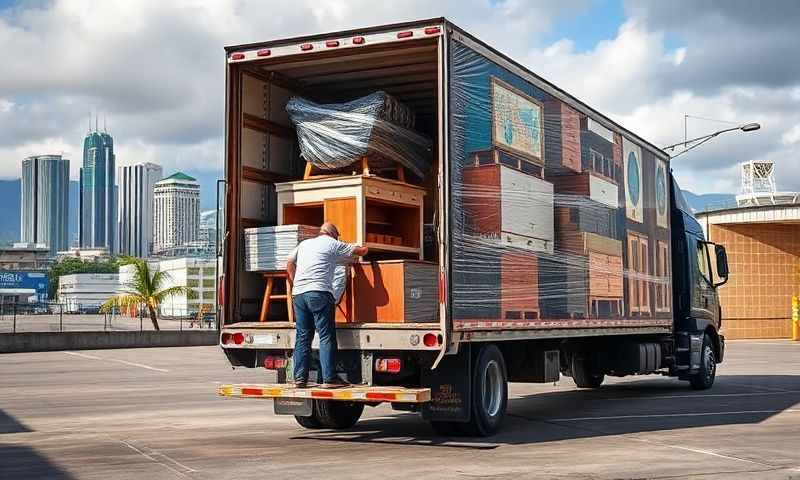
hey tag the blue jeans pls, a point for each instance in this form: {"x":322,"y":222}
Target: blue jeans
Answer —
{"x":314,"y":310}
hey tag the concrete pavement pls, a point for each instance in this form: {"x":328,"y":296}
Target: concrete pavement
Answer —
{"x":153,"y":413}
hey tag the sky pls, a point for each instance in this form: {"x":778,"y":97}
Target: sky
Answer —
{"x":155,"y":71}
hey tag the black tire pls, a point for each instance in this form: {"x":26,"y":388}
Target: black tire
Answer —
{"x":489,"y":393}
{"x":311,"y":422}
{"x":338,"y":415}
{"x":704,"y":378}
{"x":583,"y":373}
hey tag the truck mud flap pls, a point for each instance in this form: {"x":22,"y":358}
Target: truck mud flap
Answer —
{"x":450,"y":385}
{"x":302,"y":407}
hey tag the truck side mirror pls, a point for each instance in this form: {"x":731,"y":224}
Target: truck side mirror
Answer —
{"x":722,"y":263}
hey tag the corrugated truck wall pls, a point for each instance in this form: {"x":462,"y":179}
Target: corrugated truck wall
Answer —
{"x":557,"y":219}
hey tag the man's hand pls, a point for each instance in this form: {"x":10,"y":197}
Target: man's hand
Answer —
{"x":360,"y":251}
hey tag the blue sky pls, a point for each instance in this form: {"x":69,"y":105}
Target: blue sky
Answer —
{"x":157,"y":74}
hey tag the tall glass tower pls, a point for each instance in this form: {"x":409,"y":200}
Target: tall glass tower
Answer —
{"x":45,"y":202}
{"x":98,"y":218}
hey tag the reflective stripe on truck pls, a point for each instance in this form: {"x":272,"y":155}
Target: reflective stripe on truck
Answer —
{"x":357,"y":393}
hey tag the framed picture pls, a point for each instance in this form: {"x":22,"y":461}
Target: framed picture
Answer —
{"x":632,"y":157}
{"x":517,"y":121}
{"x":662,"y":194}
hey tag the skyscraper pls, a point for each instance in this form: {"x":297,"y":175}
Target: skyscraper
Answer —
{"x":98,"y":209}
{"x":44,"y":214}
{"x":135,"y":202}
{"x":177,"y":211}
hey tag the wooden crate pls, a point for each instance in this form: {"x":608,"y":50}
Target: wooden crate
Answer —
{"x":509,"y":207}
{"x":519,"y":286}
{"x":383,"y":214}
{"x":391,"y":291}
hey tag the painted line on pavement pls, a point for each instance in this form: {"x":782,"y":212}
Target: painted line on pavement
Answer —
{"x":667,"y":415}
{"x":124,"y":362}
{"x":707,"y":395}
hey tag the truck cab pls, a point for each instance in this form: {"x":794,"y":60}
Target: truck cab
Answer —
{"x":699,"y":268}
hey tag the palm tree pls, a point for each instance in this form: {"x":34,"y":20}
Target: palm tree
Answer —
{"x":145,"y":289}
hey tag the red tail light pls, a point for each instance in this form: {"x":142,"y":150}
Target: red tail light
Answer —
{"x":432,"y":30}
{"x":358,"y":40}
{"x":237,"y":56}
{"x":306,"y":47}
{"x":406,"y":34}
{"x":264,"y":53}
{"x":238,"y":338}
{"x":429,"y":340}
{"x":388,"y":365}
{"x":226,"y":338}
{"x":332,"y":43}
{"x":274,"y":363}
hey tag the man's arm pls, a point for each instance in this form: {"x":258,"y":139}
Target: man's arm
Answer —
{"x":360,"y":251}
{"x":291,"y":265}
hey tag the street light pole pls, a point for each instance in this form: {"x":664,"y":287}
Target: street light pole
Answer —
{"x":696,"y":142}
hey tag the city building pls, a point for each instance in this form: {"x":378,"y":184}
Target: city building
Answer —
{"x":94,"y":254}
{"x":208,"y":229}
{"x":44,"y":216}
{"x":86,"y":292}
{"x":762,"y":239}
{"x":22,"y":287}
{"x":135,"y":207}
{"x":177,"y":212}
{"x":98,"y":199}
{"x":26,"y":257}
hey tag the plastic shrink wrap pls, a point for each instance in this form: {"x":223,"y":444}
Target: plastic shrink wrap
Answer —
{"x":333,"y":136}
{"x":555,"y":218}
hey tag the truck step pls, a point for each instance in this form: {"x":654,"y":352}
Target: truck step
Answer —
{"x":353,"y":394}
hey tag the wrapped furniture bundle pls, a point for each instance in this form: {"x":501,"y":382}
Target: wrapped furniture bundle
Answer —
{"x":333,"y":136}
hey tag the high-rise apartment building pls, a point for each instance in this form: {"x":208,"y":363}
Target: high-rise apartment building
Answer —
{"x":176,"y":220}
{"x":44,"y":216}
{"x":135,"y":207}
{"x":98,"y":208}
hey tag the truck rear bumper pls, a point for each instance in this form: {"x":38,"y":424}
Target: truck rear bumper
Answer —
{"x":386,"y":336}
{"x":350,"y":394}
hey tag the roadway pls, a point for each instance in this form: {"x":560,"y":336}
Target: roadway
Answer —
{"x":153,"y":413}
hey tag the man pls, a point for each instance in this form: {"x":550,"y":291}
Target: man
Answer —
{"x":311,"y":272}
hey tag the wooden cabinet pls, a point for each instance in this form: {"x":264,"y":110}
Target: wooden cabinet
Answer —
{"x":383,"y":214}
{"x":509,"y":206}
{"x":390,"y":291}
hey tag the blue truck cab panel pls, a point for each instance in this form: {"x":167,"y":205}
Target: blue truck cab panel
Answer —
{"x":699,"y":267}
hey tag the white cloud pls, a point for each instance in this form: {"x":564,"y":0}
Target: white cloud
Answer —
{"x":156,"y":69}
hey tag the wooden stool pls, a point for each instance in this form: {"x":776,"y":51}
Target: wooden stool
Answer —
{"x":269,"y":297}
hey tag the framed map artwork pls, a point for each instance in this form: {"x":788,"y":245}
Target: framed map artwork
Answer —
{"x":517,"y":121}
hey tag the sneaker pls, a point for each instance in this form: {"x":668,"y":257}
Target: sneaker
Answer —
{"x":335,"y":382}
{"x":300,"y":383}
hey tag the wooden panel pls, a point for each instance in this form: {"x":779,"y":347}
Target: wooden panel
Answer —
{"x":519,"y":286}
{"x":342,"y":213}
{"x":570,"y":138}
{"x":481,"y":196}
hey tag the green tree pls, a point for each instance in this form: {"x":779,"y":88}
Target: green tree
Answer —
{"x":72,"y":265}
{"x":145,"y":288}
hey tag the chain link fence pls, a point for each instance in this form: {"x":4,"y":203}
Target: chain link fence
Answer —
{"x":55,"y":317}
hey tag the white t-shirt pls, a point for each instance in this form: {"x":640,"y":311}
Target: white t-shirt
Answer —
{"x":316,"y":260}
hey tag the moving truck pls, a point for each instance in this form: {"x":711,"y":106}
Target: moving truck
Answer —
{"x":559,"y":241}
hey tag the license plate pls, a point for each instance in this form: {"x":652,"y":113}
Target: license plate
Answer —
{"x":264,"y":339}
{"x":301,"y":407}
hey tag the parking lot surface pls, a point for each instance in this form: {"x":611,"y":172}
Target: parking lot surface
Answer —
{"x":154,"y":414}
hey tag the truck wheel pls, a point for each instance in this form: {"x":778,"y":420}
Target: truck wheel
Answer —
{"x":338,"y":415}
{"x":312,"y":422}
{"x":489,"y":393}
{"x":704,"y":378}
{"x":583,"y":374}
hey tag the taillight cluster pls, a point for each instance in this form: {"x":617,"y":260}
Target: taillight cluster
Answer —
{"x":274,"y":363}
{"x":237,"y":338}
{"x":388,"y":365}
{"x":431,"y":340}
